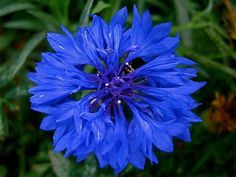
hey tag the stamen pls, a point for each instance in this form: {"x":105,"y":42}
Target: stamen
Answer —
{"x":118,"y":101}
{"x":129,"y":67}
{"x":93,"y":100}
{"x":106,"y":84}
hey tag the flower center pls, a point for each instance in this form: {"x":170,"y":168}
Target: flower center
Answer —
{"x":118,"y":87}
{"x":115,"y":86}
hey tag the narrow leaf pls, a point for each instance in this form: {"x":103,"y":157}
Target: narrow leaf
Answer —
{"x":3,"y":122}
{"x":6,"y":39}
{"x":15,"y":7}
{"x":17,"y":92}
{"x":25,"y":24}
{"x":59,"y":9}
{"x":100,"y":6}
{"x":9,"y":72}
{"x":60,"y":165}
{"x":83,"y":21}
{"x":43,"y":16}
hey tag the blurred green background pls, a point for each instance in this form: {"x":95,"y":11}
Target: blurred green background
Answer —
{"x":208,"y":34}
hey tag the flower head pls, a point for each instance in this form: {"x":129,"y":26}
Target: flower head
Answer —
{"x":136,"y":98}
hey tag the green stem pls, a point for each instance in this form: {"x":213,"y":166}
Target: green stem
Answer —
{"x":21,"y":155}
{"x":210,"y":63}
{"x":84,"y":18}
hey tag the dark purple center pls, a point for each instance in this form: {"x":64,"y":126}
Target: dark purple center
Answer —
{"x":117,"y":87}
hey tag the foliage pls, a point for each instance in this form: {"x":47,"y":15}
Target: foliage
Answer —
{"x":26,"y":151}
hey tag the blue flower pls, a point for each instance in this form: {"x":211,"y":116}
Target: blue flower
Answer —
{"x":135,"y":99}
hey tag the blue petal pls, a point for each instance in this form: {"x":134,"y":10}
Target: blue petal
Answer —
{"x":98,"y":128}
{"x":173,"y":129}
{"x":135,"y":134}
{"x":119,"y":18}
{"x":186,"y":89}
{"x":193,"y":117}
{"x":185,"y":136}
{"x":78,"y":124}
{"x":185,"y":61}
{"x":136,"y":34}
{"x":46,"y":97}
{"x":162,"y":140}
{"x":137,"y":159}
{"x":120,"y":133}
{"x":146,"y":22}
{"x":66,"y":115}
{"x":158,"y":33}
{"x":164,"y":46}
{"x":117,"y":36}
{"x":81,"y":157}
{"x":59,"y":132}
{"x":61,"y":144}
{"x":47,"y":109}
{"x":65,"y":45}
{"x":48,"y":123}
{"x":97,"y":30}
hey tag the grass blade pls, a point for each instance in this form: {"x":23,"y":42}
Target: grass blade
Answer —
{"x":83,"y":21}
{"x":15,"y":7}
{"x":6,"y":39}
{"x":100,"y":6}
{"x":210,"y":63}
{"x":9,"y":72}
{"x":25,"y":24}
{"x":60,"y":165}
{"x":3,"y":122}
{"x":44,"y":17}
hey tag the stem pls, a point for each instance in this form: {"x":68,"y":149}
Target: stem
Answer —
{"x":210,"y":63}
{"x":21,"y":161}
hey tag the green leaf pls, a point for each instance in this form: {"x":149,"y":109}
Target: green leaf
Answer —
{"x":222,"y":46}
{"x":63,"y":167}
{"x":6,"y":39}
{"x":3,"y":171}
{"x":162,"y":5}
{"x":183,"y":18}
{"x":60,"y":165}
{"x":4,"y":3}
{"x":43,"y":16}
{"x":60,"y":8}
{"x":115,"y":7}
{"x":39,"y":170}
{"x":3,"y":121}
{"x":100,"y":6}
{"x":83,"y":21}
{"x":140,"y":5}
{"x":15,"y":7}
{"x":210,"y":63}
{"x":212,"y":149}
{"x":17,"y":92}
{"x":25,"y":24}
{"x":8,"y":72}
{"x":90,"y":167}
{"x":205,"y":12}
